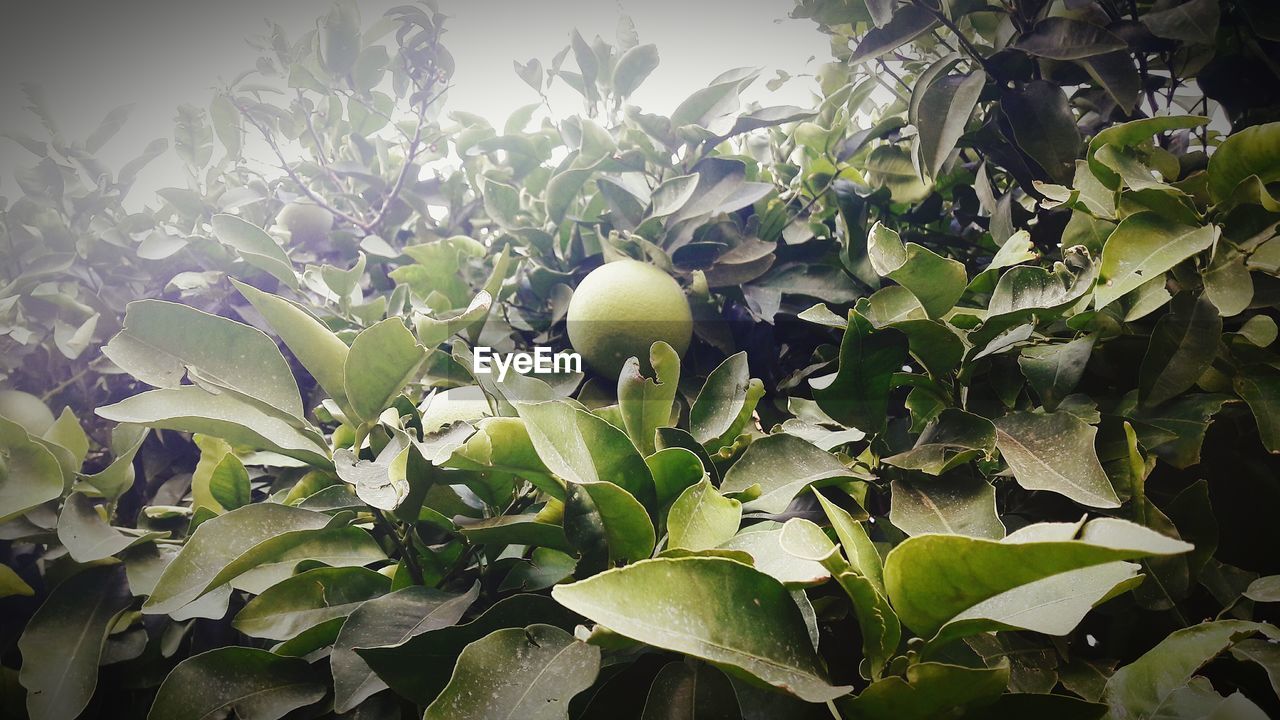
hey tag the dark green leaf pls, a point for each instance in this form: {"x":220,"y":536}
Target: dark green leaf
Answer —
{"x":1183,"y":344}
{"x":253,"y":684}
{"x":1060,"y":38}
{"x":419,"y":667}
{"x":1055,"y":451}
{"x":63,"y":642}
{"x":530,"y":672}
{"x":858,"y":394}
{"x":387,"y":620}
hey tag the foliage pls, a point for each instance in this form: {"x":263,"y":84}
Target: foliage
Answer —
{"x":979,"y":419}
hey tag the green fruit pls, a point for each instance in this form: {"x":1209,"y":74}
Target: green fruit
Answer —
{"x":620,"y":309}
{"x":306,"y":222}
{"x":460,"y":403}
{"x":27,"y":410}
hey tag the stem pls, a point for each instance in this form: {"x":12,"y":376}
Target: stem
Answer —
{"x":49,"y":394}
{"x":284,"y":165}
{"x":964,"y":41}
{"x":410,"y":561}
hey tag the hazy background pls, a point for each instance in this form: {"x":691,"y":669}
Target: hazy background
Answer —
{"x":92,"y":55}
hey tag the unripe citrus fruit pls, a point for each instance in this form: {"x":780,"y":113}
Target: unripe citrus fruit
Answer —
{"x":620,"y":309}
{"x":306,"y":222}
{"x":27,"y":410}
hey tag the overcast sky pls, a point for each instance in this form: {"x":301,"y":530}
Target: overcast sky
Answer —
{"x":92,"y":55}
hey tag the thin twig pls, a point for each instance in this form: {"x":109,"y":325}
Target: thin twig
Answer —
{"x":284,"y":165}
{"x":964,"y":41}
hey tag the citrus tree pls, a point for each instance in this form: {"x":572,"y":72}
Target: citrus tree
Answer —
{"x":951,"y":395}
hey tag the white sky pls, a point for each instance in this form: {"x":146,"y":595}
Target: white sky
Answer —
{"x":92,"y":55}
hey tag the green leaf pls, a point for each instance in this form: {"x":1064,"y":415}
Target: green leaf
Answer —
{"x":928,"y":587}
{"x":1183,"y":345}
{"x":928,"y":690}
{"x":190,"y":409}
{"x":950,"y":440}
{"x":163,"y":341}
{"x":1252,"y":151}
{"x":941,"y":105}
{"x":107,"y":129}
{"x":671,"y":194}
{"x":776,"y":468}
{"x":715,"y":609}
{"x":1134,"y":133}
{"x":307,"y":599}
{"x":1055,"y":452}
{"x":861,"y":553}
{"x":1141,"y":247}
{"x":858,"y":394}
{"x":30,"y":474}
{"x":255,"y":246}
{"x":387,"y":620}
{"x":318,"y":349}
{"x":1054,"y":605}
{"x":518,"y":530}
{"x":225,"y":119}
{"x":1054,"y":370}
{"x":607,"y":523}
{"x":229,"y":483}
{"x":521,"y":673}
{"x":584,"y":448}
{"x":1194,"y":21}
{"x":881,"y":631}
{"x":937,"y":282}
{"x":633,"y":67}
{"x":889,"y":166}
{"x":1044,"y":127}
{"x":674,"y":469}
{"x":1265,"y":654}
{"x":382,"y":482}
{"x":1264,"y":589}
{"x":683,"y":690}
{"x":88,"y":537}
{"x":1175,"y":431}
{"x":113,"y":480}
{"x":67,"y":433}
{"x":12,"y":584}
{"x":383,"y":359}
{"x":1115,"y":72}
{"x":501,"y":202}
{"x":63,"y":642}
{"x":1148,"y":685}
{"x":250,"y":683}
{"x":701,"y":518}
{"x":220,"y":541}
{"x":646,"y":404}
{"x":761,"y":542}
{"x":339,"y":38}
{"x":1059,"y":38}
{"x":725,"y":403}
{"x":908,"y":23}
{"x":276,"y":559}
{"x":1260,"y":388}
{"x":964,"y":504}
{"x":419,"y":667}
